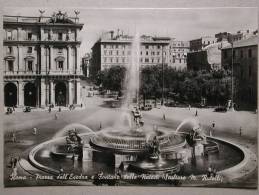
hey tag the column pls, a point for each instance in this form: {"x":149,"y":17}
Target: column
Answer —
{"x":42,"y":59}
{"x":52,"y":93}
{"x":20,"y":94}
{"x":69,"y":58}
{"x":19,"y":34}
{"x":20,"y":59}
{"x":77,"y":66}
{"x":78,"y":92}
{"x":41,"y":34}
{"x":43,"y":93}
{"x":77,"y":35}
{"x":51,"y":57}
{"x":70,"y":93}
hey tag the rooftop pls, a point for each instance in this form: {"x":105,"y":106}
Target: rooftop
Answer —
{"x":253,"y":40}
{"x":120,"y":37}
{"x":56,"y":18}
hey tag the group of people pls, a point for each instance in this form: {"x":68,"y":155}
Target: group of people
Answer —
{"x":10,"y":110}
{"x":212,"y":171}
{"x":13,"y":166}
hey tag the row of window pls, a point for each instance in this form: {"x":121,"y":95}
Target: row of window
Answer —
{"x":29,"y":65}
{"x":29,"y":50}
{"x":10,"y":50}
{"x":117,"y":46}
{"x":117,"y":52}
{"x":183,"y":50}
{"x":208,"y":42}
{"x":179,"y":45}
{"x":125,"y":60}
{"x":29,"y":36}
{"x":145,"y":60}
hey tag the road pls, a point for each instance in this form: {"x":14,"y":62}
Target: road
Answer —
{"x":95,"y":115}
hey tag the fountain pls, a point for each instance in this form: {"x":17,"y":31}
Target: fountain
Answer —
{"x":132,"y":147}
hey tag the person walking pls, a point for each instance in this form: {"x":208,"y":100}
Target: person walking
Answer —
{"x":14,"y":137}
{"x":56,"y":116}
{"x":34,"y":131}
{"x":212,"y":129}
{"x":196,"y":113}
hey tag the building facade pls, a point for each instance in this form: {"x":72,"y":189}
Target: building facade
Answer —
{"x":111,"y":50}
{"x":201,"y":43}
{"x":178,"y":54}
{"x":243,"y":56}
{"x":41,"y":60}
{"x":209,"y":58}
{"x":237,"y":36}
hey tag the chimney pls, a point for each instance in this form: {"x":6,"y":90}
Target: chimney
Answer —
{"x":118,"y":32}
{"x":112,"y":32}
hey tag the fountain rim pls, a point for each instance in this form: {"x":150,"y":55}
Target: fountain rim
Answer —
{"x":227,"y":173}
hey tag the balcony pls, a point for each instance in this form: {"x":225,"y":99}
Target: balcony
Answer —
{"x":62,"y":72}
{"x":43,"y":73}
{"x":17,"y":73}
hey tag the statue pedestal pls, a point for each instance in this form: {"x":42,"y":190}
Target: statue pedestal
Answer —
{"x":199,"y":149}
{"x":87,"y":153}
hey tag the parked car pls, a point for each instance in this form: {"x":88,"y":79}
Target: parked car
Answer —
{"x":146,"y":107}
{"x":220,"y":109}
{"x":27,"y":109}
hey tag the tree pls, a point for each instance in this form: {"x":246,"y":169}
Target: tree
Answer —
{"x":112,"y":78}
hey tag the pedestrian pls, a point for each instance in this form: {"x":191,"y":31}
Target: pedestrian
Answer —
{"x":34,"y":131}
{"x":49,"y":108}
{"x":212,"y":129}
{"x":56,"y":116}
{"x":214,"y":172}
{"x":15,"y":162}
{"x":213,"y":124}
{"x":209,"y":171}
{"x":14,"y":137}
{"x":196,"y":113}
{"x":240,"y":131}
{"x":164,"y":116}
{"x":59,"y":109}
{"x":13,"y":109}
{"x":14,"y":172}
{"x":189,"y":107}
{"x":11,"y":164}
{"x":61,"y":170}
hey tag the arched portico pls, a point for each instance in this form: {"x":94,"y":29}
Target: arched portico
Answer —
{"x":30,"y":95}
{"x":10,"y":94}
{"x":60,"y":94}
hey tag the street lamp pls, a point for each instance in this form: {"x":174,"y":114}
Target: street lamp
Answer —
{"x":232,"y":77}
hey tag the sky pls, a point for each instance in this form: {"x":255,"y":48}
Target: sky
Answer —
{"x":179,"y":23}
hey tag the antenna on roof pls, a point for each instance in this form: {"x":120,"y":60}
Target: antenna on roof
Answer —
{"x":41,"y":12}
{"x":77,"y":13}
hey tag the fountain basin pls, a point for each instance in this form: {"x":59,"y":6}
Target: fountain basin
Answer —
{"x":160,"y":166}
{"x":134,"y":142}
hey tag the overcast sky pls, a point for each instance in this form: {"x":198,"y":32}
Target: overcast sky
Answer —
{"x":182,"y":24}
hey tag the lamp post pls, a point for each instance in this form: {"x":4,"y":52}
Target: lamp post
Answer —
{"x":163,"y":78}
{"x":232,"y":77}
